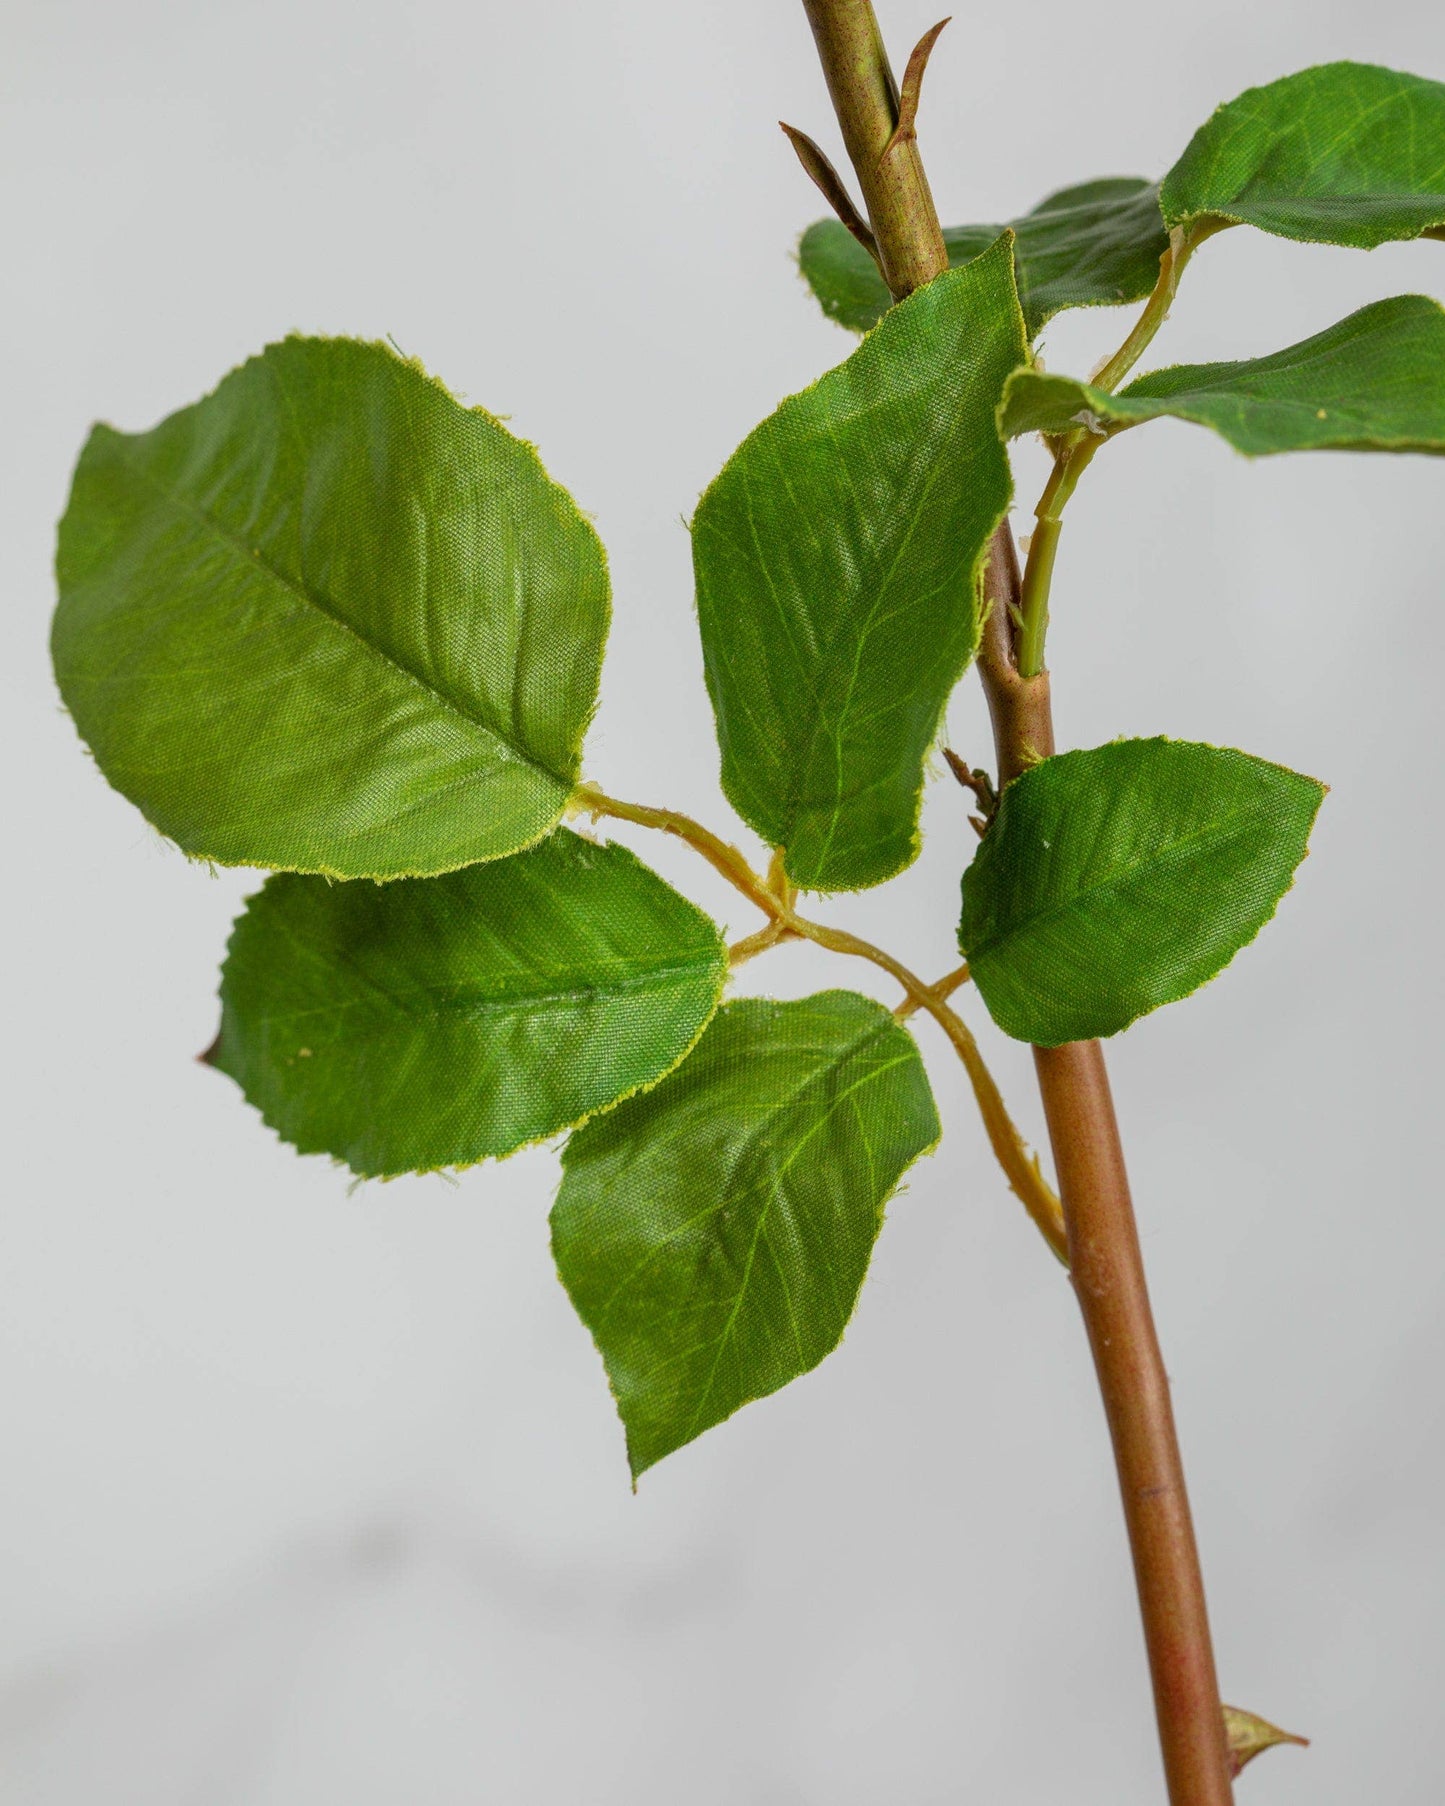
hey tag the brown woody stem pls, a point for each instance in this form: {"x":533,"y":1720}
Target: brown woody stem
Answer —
{"x":1106,"y":1263}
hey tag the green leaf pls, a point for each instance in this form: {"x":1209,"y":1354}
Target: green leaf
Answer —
{"x":330,"y":620}
{"x":1093,"y":245}
{"x":837,"y":556}
{"x":1374,"y":382}
{"x":1119,"y":879}
{"x":714,"y":1233}
{"x":435,"y":1021}
{"x":1343,"y":154}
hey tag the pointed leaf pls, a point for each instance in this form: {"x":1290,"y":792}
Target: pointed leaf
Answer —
{"x":837,"y":558}
{"x":714,"y":1233}
{"x":1119,"y":879}
{"x":1342,"y":154}
{"x":330,"y":620}
{"x":1093,"y":245}
{"x":435,"y":1021}
{"x":1374,"y":382}
{"x":1250,"y":1737}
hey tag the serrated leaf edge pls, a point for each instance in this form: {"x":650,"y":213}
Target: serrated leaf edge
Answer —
{"x":568,"y":502}
{"x":535,"y":1141}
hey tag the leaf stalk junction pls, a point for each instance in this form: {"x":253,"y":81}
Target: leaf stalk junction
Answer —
{"x":775,"y":898}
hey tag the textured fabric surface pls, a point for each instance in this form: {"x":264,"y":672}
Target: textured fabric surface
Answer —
{"x":432,"y":1022}
{"x":1118,"y":879}
{"x":329,"y":620}
{"x":714,"y":1233}
{"x":1341,"y":154}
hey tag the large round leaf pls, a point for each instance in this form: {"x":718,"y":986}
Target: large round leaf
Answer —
{"x":436,"y":1021}
{"x":330,"y":620}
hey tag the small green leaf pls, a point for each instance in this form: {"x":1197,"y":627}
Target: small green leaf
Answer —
{"x":1342,"y":154}
{"x":1119,"y":879}
{"x":330,"y":620}
{"x":714,"y":1233}
{"x":1093,"y":245}
{"x":837,"y":558}
{"x":435,"y":1021}
{"x":1373,"y":382}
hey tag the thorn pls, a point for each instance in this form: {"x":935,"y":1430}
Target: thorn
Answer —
{"x":979,"y":825}
{"x":1249,"y":1736}
{"x":912,"y":90}
{"x":979,"y":783}
{"x":208,"y":1058}
{"x":830,"y":185}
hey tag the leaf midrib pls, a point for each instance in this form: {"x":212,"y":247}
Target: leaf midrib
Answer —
{"x":1219,"y":829}
{"x":515,"y":1003}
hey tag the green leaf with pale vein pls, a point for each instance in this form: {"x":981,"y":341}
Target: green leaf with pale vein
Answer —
{"x":1095,"y":244}
{"x":838,"y":557}
{"x":715,"y":1232}
{"x":433,"y":1022}
{"x":330,"y":620}
{"x":1373,"y":382}
{"x":1118,"y":879}
{"x":1341,"y":154}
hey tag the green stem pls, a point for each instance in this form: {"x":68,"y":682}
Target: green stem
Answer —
{"x":1184,"y":241}
{"x":1033,"y":603}
{"x":774,"y":896}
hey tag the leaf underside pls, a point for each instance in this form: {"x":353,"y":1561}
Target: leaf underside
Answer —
{"x":434,"y":1022}
{"x":1121,"y":878}
{"x":1372,"y":382}
{"x":837,"y":558}
{"x":1341,"y":154}
{"x":714,"y":1233}
{"x":1094,"y":244}
{"x":329,"y":620}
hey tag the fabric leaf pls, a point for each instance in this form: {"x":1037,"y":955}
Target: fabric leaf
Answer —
{"x":837,"y":558}
{"x":714,"y":1233}
{"x":1091,"y":245}
{"x":1373,"y":382}
{"x":329,"y":620}
{"x":1116,"y":880}
{"x":435,"y":1021}
{"x":1342,"y":154}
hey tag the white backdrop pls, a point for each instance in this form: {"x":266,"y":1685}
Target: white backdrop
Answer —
{"x":316,"y":1495}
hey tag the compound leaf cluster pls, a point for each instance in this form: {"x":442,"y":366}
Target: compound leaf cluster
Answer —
{"x":330,"y":622}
